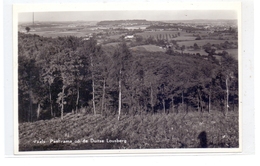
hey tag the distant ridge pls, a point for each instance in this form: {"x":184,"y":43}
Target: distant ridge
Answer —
{"x":200,"y":20}
{"x":115,"y":22}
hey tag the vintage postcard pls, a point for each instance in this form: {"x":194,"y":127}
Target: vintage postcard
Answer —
{"x":127,"y":78}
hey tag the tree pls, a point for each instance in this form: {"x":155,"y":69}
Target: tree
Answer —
{"x":122,"y":56}
{"x":48,"y":70}
{"x":139,"y":39}
{"x":63,"y":69}
{"x":182,"y":48}
{"x":196,"y":47}
{"x":198,"y":37}
{"x":27,"y":29}
{"x":229,"y":70}
{"x":209,"y":49}
{"x":91,"y":50}
{"x":169,"y":51}
{"x":81,"y":74}
{"x":29,"y":86}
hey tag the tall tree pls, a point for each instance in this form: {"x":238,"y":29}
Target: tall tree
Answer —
{"x":122,"y":57}
{"x":229,"y":68}
{"x":92,"y":51}
{"x":27,"y":29}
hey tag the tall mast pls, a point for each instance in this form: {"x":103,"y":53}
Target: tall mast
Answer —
{"x":33,"y":20}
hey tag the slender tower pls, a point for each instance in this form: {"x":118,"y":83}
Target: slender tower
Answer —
{"x":33,"y":20}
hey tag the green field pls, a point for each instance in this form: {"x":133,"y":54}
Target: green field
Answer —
{"x":185,"y":38}
{"x":159,"y":34}
{"x":233,"y":53}
{"x":117,"y":36}
{"x":173,"y":130}
{"x":60,"y":34}
{"x":202,"y":42}
{"x":61,"y":31}
{"x":150,"y":48}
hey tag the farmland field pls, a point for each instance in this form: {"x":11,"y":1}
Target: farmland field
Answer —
{"x":185,"y":38}
{"x":61,"y":30}
{"x":202,"y":42}
{"x":150,"y":48}
{"x":183,"y":130}
{"x":156,"y":34}
{"x":117,"y":36}
{"x":233,"y":53}
{"x":56,"y":34}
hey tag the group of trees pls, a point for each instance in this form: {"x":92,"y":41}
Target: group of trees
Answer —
{"x":68,"y":74}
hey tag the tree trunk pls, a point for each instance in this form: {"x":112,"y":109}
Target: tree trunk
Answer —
{"x":30,"y":106}
{"x":77,"y":100}
{"x":233,"y":102}
{"x":38,"y":111}
{"x":119,"y":95}
{"x":93,"y":97}
{"x":151,"y":97}
{"x":209,"y":98}
{"x":62,"y":101}
{"x":164,"y":106}
{"x":93,"y":86}
{"x":227,"y":91}
{"x":50,"y":101}
{"x":30,"y":99}
{"x":209,"y":102}
{"x":198,"y":103}
{"x":182,"y":102}
{"x":103,"y":95}
{"x":172,"y":105}
{"x":105,"y":109}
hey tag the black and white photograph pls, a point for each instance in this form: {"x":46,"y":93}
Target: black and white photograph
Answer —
{"x":142,"y":80}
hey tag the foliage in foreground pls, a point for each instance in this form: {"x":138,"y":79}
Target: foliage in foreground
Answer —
{"x":190,"y":130}
{"x":68,"y":74}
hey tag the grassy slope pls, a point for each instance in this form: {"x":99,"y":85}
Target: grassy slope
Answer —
{"x":150,"y":131}
{"x":149,"y":48}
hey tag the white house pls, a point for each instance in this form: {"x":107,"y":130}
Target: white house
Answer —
{"x":129,"y":37}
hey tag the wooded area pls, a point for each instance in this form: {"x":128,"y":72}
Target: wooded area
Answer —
{"x":70,"y":75}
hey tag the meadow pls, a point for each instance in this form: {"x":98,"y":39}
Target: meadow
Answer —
{"x":149,"y":48}
{"x":60,"y":34}
{"x":153,"y":131}
{"x":233,"y":53}
{"x":202,"y":42}
{"x":62,"y":30}
{"x":158,"y":34}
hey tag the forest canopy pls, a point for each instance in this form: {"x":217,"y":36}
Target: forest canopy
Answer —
{"x":70,"y":75}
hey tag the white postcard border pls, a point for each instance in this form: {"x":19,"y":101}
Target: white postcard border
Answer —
{"x":118,"y":6}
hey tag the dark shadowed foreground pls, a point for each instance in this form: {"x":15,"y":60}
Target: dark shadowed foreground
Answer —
{"x":191,"y":130}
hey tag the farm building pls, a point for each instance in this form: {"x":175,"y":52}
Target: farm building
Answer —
{"x":129,"y":37}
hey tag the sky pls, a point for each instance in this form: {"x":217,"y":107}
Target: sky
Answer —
{"x":127,"y":15}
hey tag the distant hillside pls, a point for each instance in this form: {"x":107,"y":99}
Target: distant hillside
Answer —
{"x":202,"y":21}
{"x":116,"y":22}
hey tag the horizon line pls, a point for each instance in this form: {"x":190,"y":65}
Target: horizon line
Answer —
{"x":128,"y":20}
